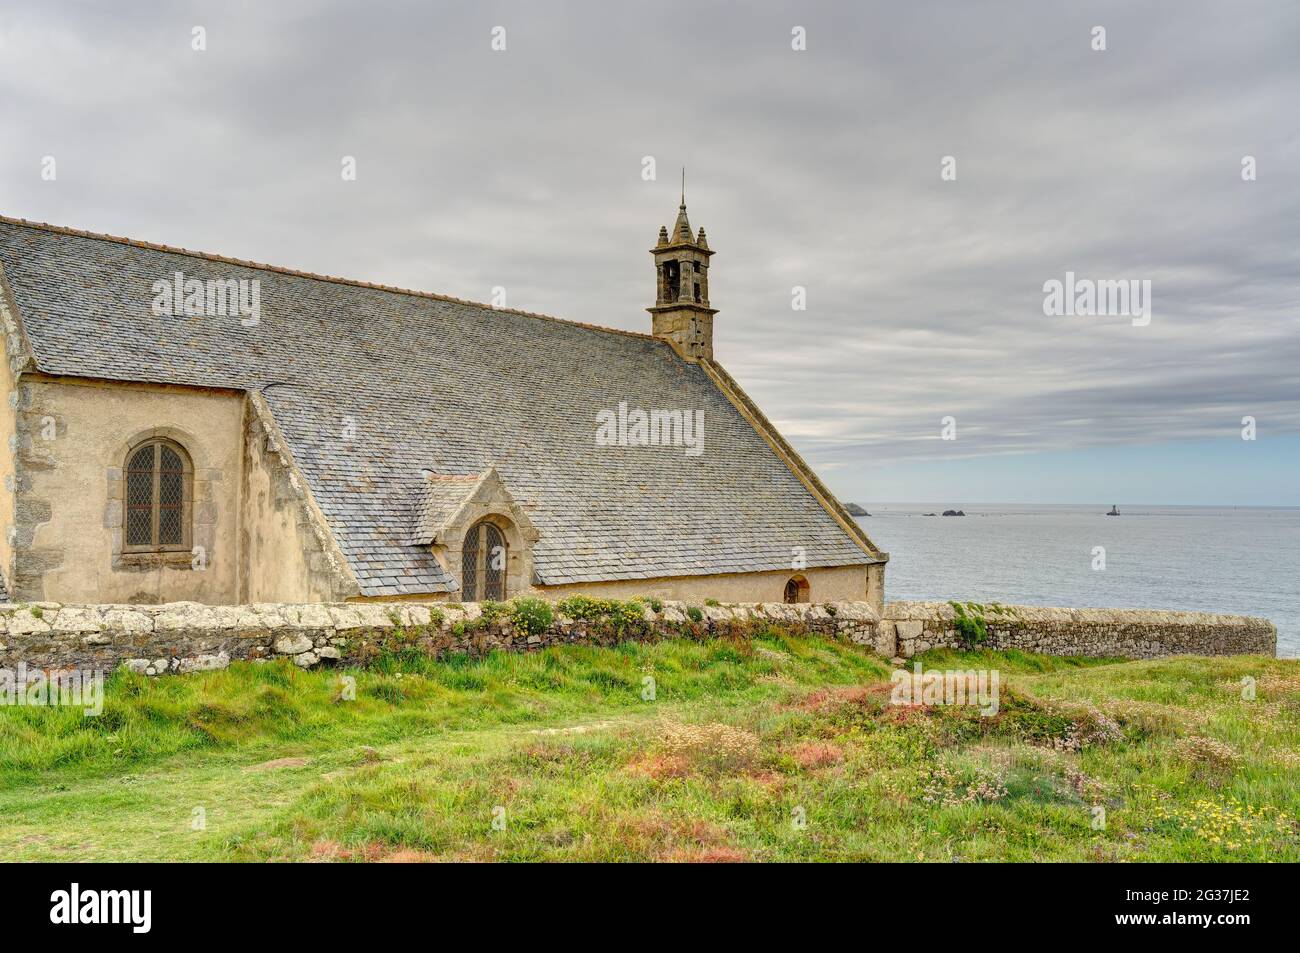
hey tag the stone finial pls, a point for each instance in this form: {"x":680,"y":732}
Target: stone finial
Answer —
{"x":663,"y":235}
{"x":702,"y":241}
{"x":682,"y":230}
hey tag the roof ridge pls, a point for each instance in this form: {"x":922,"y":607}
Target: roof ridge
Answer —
{"x":298,"y":273}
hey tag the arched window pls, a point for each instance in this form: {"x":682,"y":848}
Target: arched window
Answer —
{"x":157,"y":482}
{"x":672,"y":280}
{"x":483,"y":563}
{"x":796,"y":590}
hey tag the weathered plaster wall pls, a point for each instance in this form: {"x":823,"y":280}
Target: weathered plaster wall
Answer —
{"x":8,"y":436}
{"x":72,"y":437}
{"x":1123,"y":633}
{"x":832,"y":584}
{"x":285,"y":552}
{"x":185,"y":637}
{"x":876,"y":586}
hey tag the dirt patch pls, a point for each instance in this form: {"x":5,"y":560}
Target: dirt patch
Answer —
{"x":408,"y":856}
{"x":825,"y":699}
{"x":681,"y":840}
{"x":907,"y":714}
{"x":1154,"y":718}
{"x":277,"y":764}
{"x":329,"y":851}
{"x":661,"y":767}
{"x":813,"y":755}
{"x":713,"y":747}
{"x":1089,"y":789}
{"x":1207,"y":755}
{"x":1272,"y":683}
{"x":573,"y":729}
{"x":708,"y":855}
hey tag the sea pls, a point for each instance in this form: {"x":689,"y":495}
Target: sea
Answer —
{"x":1210,"y":559}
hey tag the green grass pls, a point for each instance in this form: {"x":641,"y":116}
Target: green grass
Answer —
{"x":779,"y":748}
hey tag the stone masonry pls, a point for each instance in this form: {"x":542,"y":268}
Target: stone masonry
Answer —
{"x":1102,"y":633}
{"x":188,"y":637}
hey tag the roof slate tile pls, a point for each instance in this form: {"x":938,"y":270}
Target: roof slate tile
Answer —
{"x":451,"y":387}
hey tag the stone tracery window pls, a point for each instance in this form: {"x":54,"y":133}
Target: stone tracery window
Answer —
{"x":483,"y":563}
{"x":157,"y":483}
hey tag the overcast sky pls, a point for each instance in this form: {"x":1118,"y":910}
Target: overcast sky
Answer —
{"x":817,"y":168}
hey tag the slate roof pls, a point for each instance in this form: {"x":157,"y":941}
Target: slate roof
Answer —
{"x":436,"y":502}
{"x":437,"y":384}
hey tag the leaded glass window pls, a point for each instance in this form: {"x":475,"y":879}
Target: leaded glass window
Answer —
{"x":483,"y":564}
{"x":156,"y":513}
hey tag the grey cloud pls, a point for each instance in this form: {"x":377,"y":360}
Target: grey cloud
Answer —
{"x":817,"y":169}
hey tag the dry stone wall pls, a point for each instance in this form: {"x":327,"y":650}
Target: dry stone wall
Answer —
{"x":188,"y":637}
{"x":1102,"y":633}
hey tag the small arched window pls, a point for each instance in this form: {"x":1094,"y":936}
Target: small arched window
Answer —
{"x":672,"y":279}
{"x":796,"y":590}
{"x":157,"y":486}
{"x":483,"y":560}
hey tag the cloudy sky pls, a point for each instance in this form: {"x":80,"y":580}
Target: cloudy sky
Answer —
{"x":819,"y":168}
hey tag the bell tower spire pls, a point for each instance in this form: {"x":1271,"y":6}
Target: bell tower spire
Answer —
{"x":681,"y":314}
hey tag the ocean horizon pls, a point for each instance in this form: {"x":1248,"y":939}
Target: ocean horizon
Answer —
{"x":1231,"y":559}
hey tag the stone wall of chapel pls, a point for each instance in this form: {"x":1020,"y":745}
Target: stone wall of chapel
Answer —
{"x":72,"y":439}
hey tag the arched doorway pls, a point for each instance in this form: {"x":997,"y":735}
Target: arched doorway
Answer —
{"x":797,"y":590}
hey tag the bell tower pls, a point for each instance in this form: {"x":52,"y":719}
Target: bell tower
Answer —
{"x":681,"y":314}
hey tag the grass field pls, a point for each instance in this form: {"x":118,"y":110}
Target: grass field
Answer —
{"x":779,"y":748}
